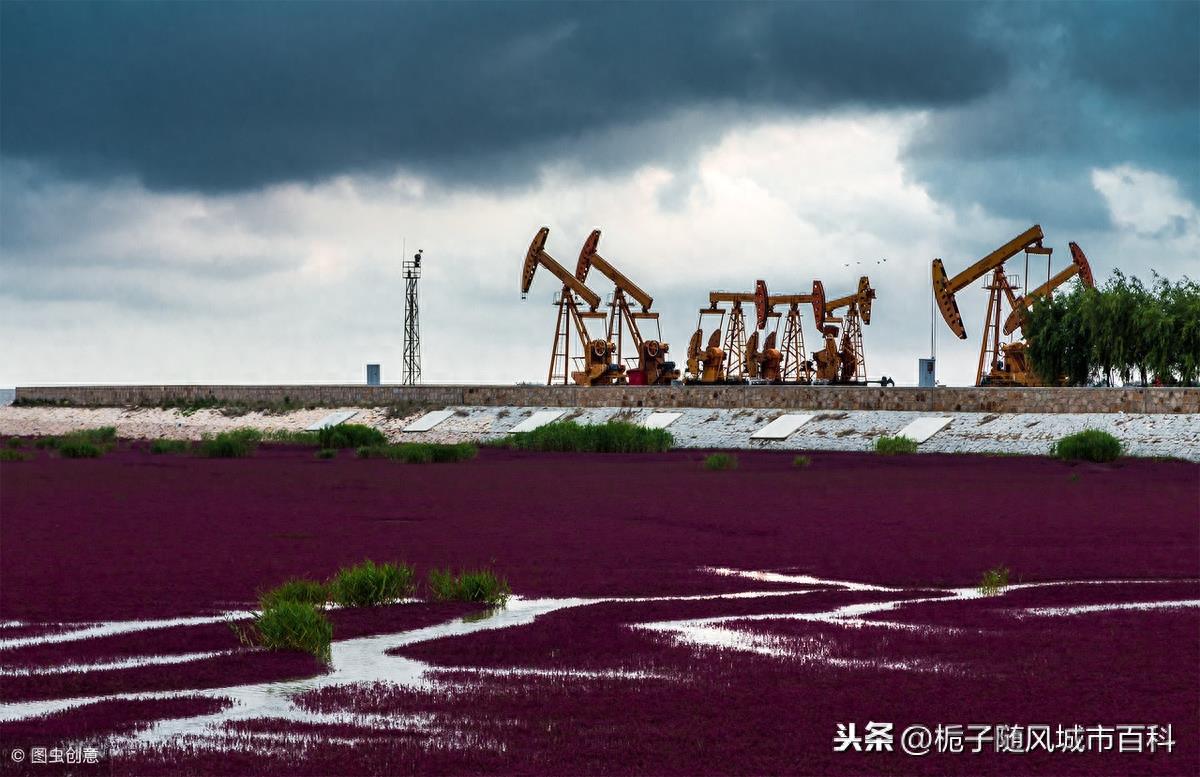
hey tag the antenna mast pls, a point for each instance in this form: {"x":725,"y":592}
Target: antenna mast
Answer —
{"x":411,"y":374}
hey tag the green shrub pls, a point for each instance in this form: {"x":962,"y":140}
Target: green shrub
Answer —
{"x":480,"y":585}
{"x":720,"y":461}
{"x":169,"y":446}
{"x":994,"y":581}
{"x":15,"y":442}
{"x":420,"y":452}
{"x":350,"y":436}
{"x":8,"y":454}
{"x":1088,"y":445}
{"x":890,"y":446}
{"x":368,"y":584}
{"x":612,"y":437}
{"x":290,"y":625}
{"x":295,"y":590}
{"x":327,"y":453}
{"x":230,"y":445}
{"x":82,"y":444}
{"x":104,"y":435}
{"x":77,"y":448}
{"x":292,"y":437}
{"x":801,"y":462}
{"x":449,"y":454}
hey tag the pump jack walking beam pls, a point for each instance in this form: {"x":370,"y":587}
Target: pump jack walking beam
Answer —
{"x":860,"y":299}
{"x":944,"y":289}
{"x":536,"y":255}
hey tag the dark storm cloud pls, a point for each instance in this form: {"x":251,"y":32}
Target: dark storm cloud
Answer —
{"x":1091,"y":85}
{"x":1024,"y":98}
{"x":220,"y":96}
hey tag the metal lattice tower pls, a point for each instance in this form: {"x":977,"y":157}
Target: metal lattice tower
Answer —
{"x":411,"y":374}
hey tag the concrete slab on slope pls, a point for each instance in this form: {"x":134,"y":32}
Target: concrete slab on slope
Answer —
{"x":782,"y":427}
{"x":428,"y":421}
{"x":539,"y":418}
{"x":333,"y":419}
{"x":922,"y":429}
{"x":660,"y":420}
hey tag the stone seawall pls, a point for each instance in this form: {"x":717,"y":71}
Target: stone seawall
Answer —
{"x":971,"y":400}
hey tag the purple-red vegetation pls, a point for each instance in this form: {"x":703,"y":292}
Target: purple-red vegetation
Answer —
{"x":243,"y":666}
{"x":142,"y":536}
{"x":94,"y":726}
{"x":603,"y":636}
{"x":153,"y":536}
{"x":102,"y":719}
{"x":352,"y":622}
{"x":216,"y":637}
{"x":207,"y":637}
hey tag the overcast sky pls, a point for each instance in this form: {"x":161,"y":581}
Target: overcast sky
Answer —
{"x":223,"y":192}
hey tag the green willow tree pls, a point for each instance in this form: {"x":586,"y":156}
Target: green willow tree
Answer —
{"x":1124,"y":330}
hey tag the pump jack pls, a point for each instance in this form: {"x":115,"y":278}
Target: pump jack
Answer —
{"x":765,"y":364}
{"x":716,"y":364}
{"x":1001,"y":364}
{"x":846,"y":363}
{"x":652,"y":365}
{"x":1010,"y":362}
{"x":794,"y":368}
{"x":598,"y":365}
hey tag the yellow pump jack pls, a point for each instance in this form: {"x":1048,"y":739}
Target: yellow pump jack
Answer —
{"x":788,"y":364}
{"x":652,"y":367}
{"x":1009,"y":365}
{"x":846,"y":362}
{"x":1003,"y":364}
{"x":721,"y":361}
{"x":598,"y":366}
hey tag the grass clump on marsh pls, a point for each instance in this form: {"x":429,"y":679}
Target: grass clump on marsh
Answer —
{"x":1088,"y":445}
{"x":295,"y":590}
{"x":611,"y":437}
{"x":719,"y":462}
{"x":349,"y":436}
{"x":169,"y":446}
{"x":82,"y":444}
{"x":420,"y":452}
{"x":994,"y":581}
{"x":368,"y":584}
{"x":293,"y":625}
{"x":235,"y":444}
{"x":890,"y":446}
{"x":291,"y":436}
{"x":88,"y":443}
{"x":479,"y":585}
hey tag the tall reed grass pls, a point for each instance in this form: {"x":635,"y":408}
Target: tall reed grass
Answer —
{"x":612,"y":437}
{"x":479,"y":585}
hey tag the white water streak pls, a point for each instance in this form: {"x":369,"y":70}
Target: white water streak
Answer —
{"x":366,"y":659}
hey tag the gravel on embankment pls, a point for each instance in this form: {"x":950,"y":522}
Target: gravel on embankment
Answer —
{"x":1154,"y":435}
